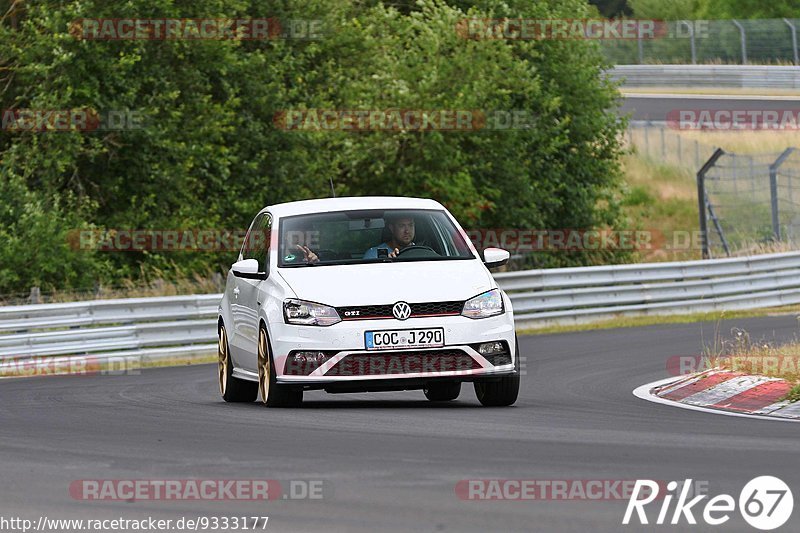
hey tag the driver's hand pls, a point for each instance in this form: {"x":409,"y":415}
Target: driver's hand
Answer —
{"x":394,"y":253}
{"x":310,"y":257}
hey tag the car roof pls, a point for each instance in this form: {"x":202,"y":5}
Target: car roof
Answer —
{"x":327,"y":205}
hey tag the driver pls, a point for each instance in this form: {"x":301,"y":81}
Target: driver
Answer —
{"x":402,"y":231}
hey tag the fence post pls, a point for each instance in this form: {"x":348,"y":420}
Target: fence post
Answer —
{"x":36,"y":295}
{"x":794,"y":40}
{"x":744,"y":41}
{"x":690,"y":26}
{"x":701,"y":199}
{"x":641,"y":48}
{"x":773,"y":191}
{"x":663,"y":146}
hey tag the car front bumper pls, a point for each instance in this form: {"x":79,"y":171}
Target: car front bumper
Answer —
{"x":346,"y":340}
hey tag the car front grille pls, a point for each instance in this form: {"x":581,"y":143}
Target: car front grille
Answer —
{"x":423,"y":309}
{"x":382,"y":364}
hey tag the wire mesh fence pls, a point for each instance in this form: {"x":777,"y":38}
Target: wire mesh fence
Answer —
{"x":752,"y":202}
{"x":658,"y":143}
{"x":760,"y":41}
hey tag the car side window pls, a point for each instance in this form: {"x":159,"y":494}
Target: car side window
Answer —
{"x":257,"y":242}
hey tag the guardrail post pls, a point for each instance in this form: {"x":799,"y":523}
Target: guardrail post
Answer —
{"x":794,"y":40}
{"x":36,"y":295}
{"x":701,"y":199}
{"x":773,"y":191}
{"x":744,"y":41}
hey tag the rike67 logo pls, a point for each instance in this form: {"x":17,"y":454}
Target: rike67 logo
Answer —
{"x":765,"y":503}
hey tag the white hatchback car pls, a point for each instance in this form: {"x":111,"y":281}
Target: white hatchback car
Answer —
{"x":364,"y":294}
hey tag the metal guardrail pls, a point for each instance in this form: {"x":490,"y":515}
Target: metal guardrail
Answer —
{"x":132,"y":328}
{"x":159,"y":328}
{"x":727,"y":76}
{"x":585,"y":294}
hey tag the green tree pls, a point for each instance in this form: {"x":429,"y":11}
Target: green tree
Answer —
{"x":209,"y":154}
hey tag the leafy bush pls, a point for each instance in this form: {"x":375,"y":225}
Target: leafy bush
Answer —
{"x":209,"y":154}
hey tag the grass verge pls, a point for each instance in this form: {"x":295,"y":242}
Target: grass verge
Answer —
{"x":638,"y":321}
{"x":794,"y":394}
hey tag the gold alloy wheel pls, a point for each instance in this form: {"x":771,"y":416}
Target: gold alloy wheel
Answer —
{"x":264,"y":369}
{"x":222,"y":360}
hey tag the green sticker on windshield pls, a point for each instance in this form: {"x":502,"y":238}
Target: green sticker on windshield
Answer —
{"x":290,"y":258}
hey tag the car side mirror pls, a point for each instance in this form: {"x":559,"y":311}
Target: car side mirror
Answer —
{"x":248,"y":269}
{"x":495,"y":257}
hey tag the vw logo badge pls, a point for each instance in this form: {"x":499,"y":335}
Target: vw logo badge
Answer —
{"x":401,"y":310}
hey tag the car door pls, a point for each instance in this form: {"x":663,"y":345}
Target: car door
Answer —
{"x":245,"y":304}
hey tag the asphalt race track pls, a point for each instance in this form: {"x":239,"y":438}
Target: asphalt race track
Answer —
{"x":390,"y":462}
{"x":656,"y":107}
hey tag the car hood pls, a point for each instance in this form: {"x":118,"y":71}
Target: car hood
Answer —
{"x":384,"y":283}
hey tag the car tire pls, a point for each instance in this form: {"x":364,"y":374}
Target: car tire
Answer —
{"x":231,"y":388}
{"x":442,"y":392}
{"x":272,"y":394}
{"x":502,"y":392}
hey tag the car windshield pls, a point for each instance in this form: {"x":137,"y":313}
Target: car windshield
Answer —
{"x":374,"y":236}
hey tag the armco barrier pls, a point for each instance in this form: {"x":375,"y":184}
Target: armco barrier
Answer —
{"x":160,"y":328}
{"x":145,"y":328}
{"x":585,"y":294}
{"x":725,"y":76}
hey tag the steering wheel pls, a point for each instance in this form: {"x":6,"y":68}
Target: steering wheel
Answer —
{"x":418,"y":248}
{"x":326,"y":254}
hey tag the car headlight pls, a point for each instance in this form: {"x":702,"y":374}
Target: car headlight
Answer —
{"x":304,"y":313}
{"x":484,"y":305}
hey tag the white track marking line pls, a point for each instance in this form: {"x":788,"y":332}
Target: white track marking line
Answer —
{"x":772,"y":407}
{"x":686,"y":382}
{"x":792,"y":411}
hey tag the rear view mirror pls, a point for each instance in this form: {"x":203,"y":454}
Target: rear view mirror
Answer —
{"x":248,"y":269}
{"x":495,"y":257}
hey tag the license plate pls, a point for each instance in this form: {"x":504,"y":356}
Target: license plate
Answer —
{"x":393,"y":339}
